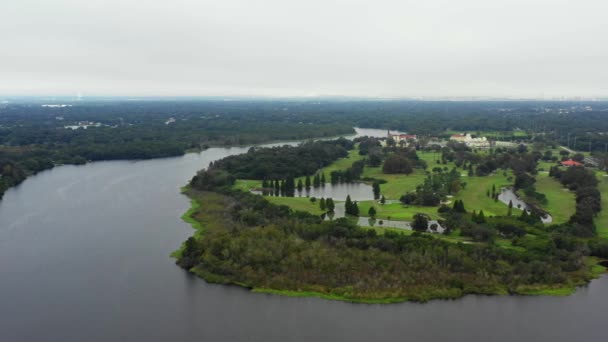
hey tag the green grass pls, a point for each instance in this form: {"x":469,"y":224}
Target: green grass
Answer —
{"x":297,"y":203}
{"x":561,"y":203}
{"x":397,"y":184}
{"x":475,"y":198}
{"x":601,"y":222}
{"x":396,"y":211}
{"x":247,"y":184}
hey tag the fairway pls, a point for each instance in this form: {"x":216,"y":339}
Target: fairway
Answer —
{"x":601,"y":222}
{"x":396,"y":211}
{"x":560,"y":202}
{"x":297,"y":203}
{"x":397,"y":184}
{"x":475,"y":198}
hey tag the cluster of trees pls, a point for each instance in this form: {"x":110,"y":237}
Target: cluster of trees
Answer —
{"x":17,"y":164}
{"x":349,"y":175}
{"x":402,"y":160}
{"x":285,"y":161}
{"x":351,"y":207}
{"x":327,"y":205}
{"x":435,"y":188}
{"x":283,"y":187}
{"x":588,"y":197}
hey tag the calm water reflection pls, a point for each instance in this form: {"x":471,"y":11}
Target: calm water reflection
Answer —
{"x":84,"y":256}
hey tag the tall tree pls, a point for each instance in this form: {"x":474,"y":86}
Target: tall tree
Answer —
{"x":316,"y":181}
{"x":329,"y":203}
{"x":376,"y":188}
{"x":372,"y":212}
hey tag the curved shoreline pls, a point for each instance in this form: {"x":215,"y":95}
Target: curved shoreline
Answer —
{"x":596,"y":269}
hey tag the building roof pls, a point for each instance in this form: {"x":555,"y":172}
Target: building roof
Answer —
{"x":571,"y":162}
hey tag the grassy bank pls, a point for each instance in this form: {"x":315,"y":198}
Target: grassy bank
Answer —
{"x":560,"y":202}
{"x":396,"y":211}
{"x":297,"y":203}
{"x":601,"y":222}
{"x":475,"y":194}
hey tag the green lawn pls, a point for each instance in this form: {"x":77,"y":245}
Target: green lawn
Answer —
{"x":397,"y":184}
{"x":247,"y":184}
{"x":560,"y":202}
{"x":475,"y":198}
{"x":601,"y":222}
{"x":396,"y":211}
{"x":297,"y":203}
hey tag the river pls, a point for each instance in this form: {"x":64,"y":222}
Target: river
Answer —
{"x":84,"y":256}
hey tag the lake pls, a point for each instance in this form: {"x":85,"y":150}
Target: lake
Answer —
{"x":84,"y":256}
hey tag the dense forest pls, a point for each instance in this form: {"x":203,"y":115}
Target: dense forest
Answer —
{"x":34,"y":137}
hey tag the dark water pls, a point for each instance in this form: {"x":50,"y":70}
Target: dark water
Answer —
{"x":507,"y":195}
{"x":84,"y":256}
{"x":338,"y":192}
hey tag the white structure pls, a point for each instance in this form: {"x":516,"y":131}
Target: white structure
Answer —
{"x":467,"y":139}
{"x":401,"y":137}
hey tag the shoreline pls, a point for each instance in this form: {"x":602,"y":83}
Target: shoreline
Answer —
{"x":596,"y":271}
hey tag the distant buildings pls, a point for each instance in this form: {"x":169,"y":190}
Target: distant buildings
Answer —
{"x":402,"y":137}
{"x":467,"y":139}
{"x":84,"y":125}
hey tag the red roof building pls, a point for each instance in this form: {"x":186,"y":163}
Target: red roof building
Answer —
{"x":570,"y":163}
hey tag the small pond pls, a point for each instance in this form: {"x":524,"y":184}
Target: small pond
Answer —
{"x":507,"y":194}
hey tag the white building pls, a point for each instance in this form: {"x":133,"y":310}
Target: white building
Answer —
{"x":467,"y":139}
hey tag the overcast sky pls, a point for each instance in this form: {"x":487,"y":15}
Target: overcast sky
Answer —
{"x":402,"y":48}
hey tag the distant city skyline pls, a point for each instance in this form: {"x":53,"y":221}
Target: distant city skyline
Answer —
{"x":436,"y":49}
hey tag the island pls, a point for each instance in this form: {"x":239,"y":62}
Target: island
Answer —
{"x":430,"y":219}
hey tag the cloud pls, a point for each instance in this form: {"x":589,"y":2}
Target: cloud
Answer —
{"x":294,"y":48}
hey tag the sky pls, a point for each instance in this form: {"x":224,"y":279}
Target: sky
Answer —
{"x":305,"y":48}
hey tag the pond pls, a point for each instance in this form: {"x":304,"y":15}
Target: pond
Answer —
{"x":338,"y":192}
{"x":84,"y":256}
{"x":507,"y":195}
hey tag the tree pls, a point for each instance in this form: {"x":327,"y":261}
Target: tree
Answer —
{"x":481,"y":218}
{"x":322,"y":204}
{"x":348,"y":205}
{"x":371,"y":212}
{"x":323,"y":181}
{"x":382,"y":200}
{"x":579,"y":157}
{"x":510,"y":210}
{"x":376,"y":188}
{"x":355,"y":209}
{"x":329,"y":203}
{"x":420,"y":223}
{"x":458,"y":207}
{"x":316,"y":181}
{"x":290,"y":186}
{"x":307,"y":182}
{"x":397,"y":164}
{"x":300,"y":185}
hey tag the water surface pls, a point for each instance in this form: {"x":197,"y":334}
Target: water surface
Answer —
{"x":84,"y":256}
